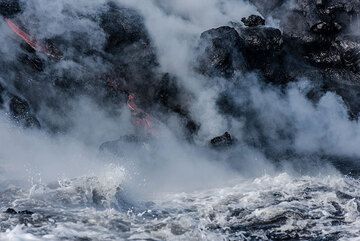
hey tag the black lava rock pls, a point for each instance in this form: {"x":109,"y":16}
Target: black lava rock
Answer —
{"x":9,"y":8}
{"x":316,"y":42}
{"x":225,"y":140}
{"x":25,"y":212}
{"x":13,"y":212}
{"x":253,"y":21}
{"x":263,"y":51}
{"x":261,"y":40}
{"x":220,"y":52}
{"x":324,"y":28}
{"x":19,"y":107}
{"x":32,"y":61}
{"x":2,"y":89}
{"x":123,"y":26}
{"x":21,"y":112}
{"x":10,"y":211}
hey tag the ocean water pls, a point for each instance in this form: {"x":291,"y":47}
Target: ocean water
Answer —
{"x":278,"y":207}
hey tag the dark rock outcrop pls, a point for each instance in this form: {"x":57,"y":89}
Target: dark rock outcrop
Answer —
{"x":9,"y":8}
{"x":253,"y":21}
{"x":320,"y":34}
{"x":225,"y":140}
{"x":127,"y":64}
{"x":315,"y":42}
{"x":228,"y":50}
{"x":12,"y":211}
{"x":220,"y":52}
{"x":129,"y":51}
{"x":2,"y":89}
{"x":22,"y":113}
{"x":263,"y":52}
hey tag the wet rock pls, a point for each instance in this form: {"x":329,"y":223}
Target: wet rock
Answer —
{"x":177,"y":229}
{"x":10,"y":211}
{"x":9,"y":8}
{"x":220,"y":52}
{"x":120,"y":226}
{"x":97,"y":197}
{"x":225,"y":140}
{"x":25,"y":212}
{"x":253,"y":21}
{"x":19,"y":107}
{"x":21,"y":112}
{"x":13,"y":212}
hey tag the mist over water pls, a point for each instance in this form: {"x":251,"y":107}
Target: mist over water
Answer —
{"x":291,"y":173}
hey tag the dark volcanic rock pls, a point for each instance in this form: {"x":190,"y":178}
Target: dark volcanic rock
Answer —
{"x":124,"y":56}
{"x":253,"y":21}
{"x":19,"y":108}
{"x":346,"y":84}
{"x":10,"y":211}
{"x":34,"y":62}
{"x":123,"y":26}
{"x":2,"y":89}
{"x":225,"y":50}
{"x":220,"y":52}
{"x":315,"y":42}
{"x":261,"y":40}
{"x":225,"y":140}
{"x":25,"y":212}
{"x":263,"y":51}
{"x":324,"y":28}
{"x":130,"y":52}
{"x":21,"y":111}
{"x":169,"y":94}
{"x":13,"y":212}
{"x":9,"y":8}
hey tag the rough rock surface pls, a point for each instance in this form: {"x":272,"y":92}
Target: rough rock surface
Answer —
{"x":126,"y":63}
{"x":220,"y":52}
{"x":222,"y":141}
{"x":315,"y":41}
{"x":22,"y":113}
{"x":253,"y":21}
{"x":9,"y":8}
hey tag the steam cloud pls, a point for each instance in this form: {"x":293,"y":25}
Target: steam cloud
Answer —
{"x":266,"y":121}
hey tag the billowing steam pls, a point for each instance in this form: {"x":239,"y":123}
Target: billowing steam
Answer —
{"x":77,"y":112}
